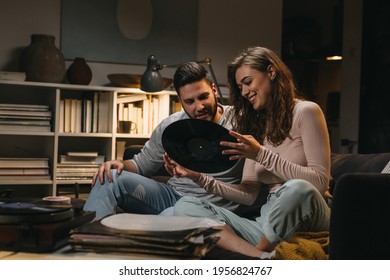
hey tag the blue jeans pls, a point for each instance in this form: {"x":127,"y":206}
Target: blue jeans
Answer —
{"x":295,"y":206}
{"x":131,"y":192}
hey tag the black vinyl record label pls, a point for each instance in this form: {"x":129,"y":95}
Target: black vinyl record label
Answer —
{"x":194,"y":144}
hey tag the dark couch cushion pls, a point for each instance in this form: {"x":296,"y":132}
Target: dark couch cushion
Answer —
{"x":359,"y":215}
{"x":356,"y":163}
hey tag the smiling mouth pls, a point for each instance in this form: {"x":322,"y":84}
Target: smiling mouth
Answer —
{"x":201,"y":116}
{"x":251,"y":98}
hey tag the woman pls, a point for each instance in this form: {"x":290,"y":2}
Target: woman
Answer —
{"x":286,"y":145}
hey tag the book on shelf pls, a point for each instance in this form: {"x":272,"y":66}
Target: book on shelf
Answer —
{"x":11,"y":117}
{"x":81,"y":159}
{"x":155,"y":113}
{"x":71,"y":178}
{"x":104,"y":111}
{"x":24,"y":179}
{"x":24,"y":162}
{"x":82,"y":154}
{"x":145,"y":117}
{"x":126,"y":98}
{"x":25,"y":127}
{"x":74,"y":176}
{"x":63,"y":176}
{"x":78,"y":116}
{"x":163,"y":107}
{"x":24,"y":171}
{"x":95,"y":111}
{"x":87,"y":113}
{"x":25,"y":107}
{"x":77,"y":170}
{"x":4,"y":112}
{"x":61,"y":116}
{"x":67,"y":114}
{"x":23,"y":121}
{"x":67,"y":166}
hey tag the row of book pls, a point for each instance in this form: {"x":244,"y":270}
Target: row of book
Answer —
{"x":25,"y":117}
{"x":145,"y":112}
{"x":89,"y":114}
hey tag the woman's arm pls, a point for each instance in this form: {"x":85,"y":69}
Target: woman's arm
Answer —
{"x":310,"y":125}
{"x":244,"y":193}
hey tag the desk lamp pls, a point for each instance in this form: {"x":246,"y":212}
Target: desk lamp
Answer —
{"x":151,"y":80}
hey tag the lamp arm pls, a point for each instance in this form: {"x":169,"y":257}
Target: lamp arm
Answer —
{"x":208,"y":62}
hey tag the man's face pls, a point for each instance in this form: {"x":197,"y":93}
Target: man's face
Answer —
{"x":199,"y":101}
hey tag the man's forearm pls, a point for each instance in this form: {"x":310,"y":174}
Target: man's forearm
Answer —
{"x":130,"y":166}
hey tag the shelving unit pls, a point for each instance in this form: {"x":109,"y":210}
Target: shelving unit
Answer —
{"x":53,"y":144}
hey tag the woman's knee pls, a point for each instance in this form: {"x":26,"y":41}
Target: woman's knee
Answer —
{"x":186,"y":206}
{"x":296,"y":192}
{"x":299,"y":188}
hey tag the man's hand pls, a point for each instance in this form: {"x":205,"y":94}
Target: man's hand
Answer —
{"x":105,"y":168}
{"x":247,"y":146}
{"x":175,"y":169}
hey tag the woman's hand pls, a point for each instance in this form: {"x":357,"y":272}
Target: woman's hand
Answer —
{"x":175,"y":169}
{"x":247,"y":147}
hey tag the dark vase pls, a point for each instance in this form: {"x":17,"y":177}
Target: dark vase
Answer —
{"x":79,"y":72}
{"x":42,"y":60}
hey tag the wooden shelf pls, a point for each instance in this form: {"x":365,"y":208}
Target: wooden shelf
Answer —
{"x":55,"y":143}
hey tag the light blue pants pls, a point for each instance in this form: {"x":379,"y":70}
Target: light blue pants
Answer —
{"x":131,"y":192}
{"x":295,"y":206}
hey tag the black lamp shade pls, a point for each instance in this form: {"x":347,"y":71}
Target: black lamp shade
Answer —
{"x":151,"y":80}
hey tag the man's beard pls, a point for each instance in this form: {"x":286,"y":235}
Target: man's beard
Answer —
{"x":213,"y":110}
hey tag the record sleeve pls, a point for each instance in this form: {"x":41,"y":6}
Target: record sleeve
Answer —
{"x":190,"y":242}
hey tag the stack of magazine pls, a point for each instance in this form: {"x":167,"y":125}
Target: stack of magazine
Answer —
{"x":25,"y":117}
{"x":78,"y":165}
{"x":20,"y":169}
{"x":173,"y":236}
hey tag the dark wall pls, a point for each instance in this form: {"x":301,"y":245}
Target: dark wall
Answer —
{"x":374,"y":127}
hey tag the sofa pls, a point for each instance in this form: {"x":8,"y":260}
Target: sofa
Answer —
{"x":359,"y":196}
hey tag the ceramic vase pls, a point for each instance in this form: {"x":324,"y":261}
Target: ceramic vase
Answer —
{"x":79,"y":72}
{"x":42,"y":60}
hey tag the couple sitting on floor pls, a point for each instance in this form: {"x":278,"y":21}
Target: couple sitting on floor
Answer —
{"x":282,"y":141}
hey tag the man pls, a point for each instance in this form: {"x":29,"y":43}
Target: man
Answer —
{"x":127,"y":184}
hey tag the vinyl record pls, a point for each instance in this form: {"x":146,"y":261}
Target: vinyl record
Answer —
{"x":194,"y":144}
{"x":33,"y":212}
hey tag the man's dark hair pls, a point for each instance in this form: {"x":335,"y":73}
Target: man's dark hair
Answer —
{"x":189,"y":73}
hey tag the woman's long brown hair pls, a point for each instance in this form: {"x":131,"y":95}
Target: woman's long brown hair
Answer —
{"x":275,"y":120}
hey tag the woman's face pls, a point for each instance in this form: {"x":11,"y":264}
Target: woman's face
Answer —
{"x":255,"y":86}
